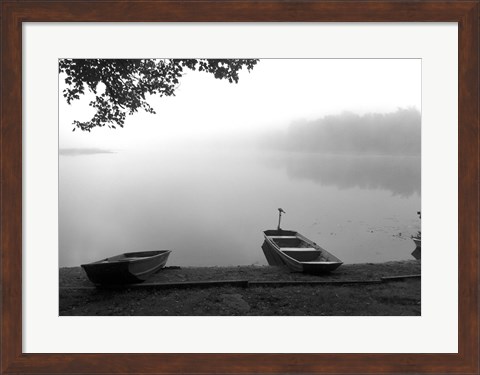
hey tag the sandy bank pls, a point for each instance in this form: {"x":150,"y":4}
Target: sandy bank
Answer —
{"x":393,"y":298}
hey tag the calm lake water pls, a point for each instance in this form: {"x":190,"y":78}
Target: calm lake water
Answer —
{"x":210,"y":208}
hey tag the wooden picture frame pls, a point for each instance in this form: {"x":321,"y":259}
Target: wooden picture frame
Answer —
{"x":15,"y":12}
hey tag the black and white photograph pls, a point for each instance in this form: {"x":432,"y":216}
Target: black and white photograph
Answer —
{"x":239,"y":187}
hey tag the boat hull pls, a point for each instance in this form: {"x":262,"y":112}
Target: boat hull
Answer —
{"x":306,"y":256}
{"x":418,"y":241}
{"x":127,"y":268}
{"x":417,"y":253}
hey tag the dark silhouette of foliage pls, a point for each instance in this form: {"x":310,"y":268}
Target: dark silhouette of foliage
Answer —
{"x":127,"y":82}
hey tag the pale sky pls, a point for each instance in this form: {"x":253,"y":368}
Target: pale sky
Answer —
{"x":276,"y":93}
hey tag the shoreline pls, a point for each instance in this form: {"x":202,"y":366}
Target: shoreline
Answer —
{"x":75,"y":276}
{"x":289,"y":293}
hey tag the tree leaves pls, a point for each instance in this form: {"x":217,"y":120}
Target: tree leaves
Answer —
{"x":127,"y":81}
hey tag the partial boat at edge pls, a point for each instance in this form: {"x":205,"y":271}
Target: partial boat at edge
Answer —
{"x":418,"y":241}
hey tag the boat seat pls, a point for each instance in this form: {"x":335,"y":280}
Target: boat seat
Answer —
{"x":298,"y":249}
{"x":275,"y":237}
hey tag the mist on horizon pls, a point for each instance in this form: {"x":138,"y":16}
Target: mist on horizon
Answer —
{"x":395,"y":133}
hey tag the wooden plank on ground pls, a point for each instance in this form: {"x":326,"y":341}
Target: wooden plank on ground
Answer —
{"x":400,"y":277}
{"x":182,"y":284}
{"x":312,"y":282}
{"x":240,"y":283}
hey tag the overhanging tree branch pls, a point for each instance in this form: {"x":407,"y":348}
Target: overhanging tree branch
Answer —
{"x":127,"y":81}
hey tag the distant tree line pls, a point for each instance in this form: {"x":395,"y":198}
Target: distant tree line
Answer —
{"x":391,"y":133}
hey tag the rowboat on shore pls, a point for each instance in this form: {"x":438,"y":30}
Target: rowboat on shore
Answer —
{"x":291,"y":249}
{"x":126,"y":268}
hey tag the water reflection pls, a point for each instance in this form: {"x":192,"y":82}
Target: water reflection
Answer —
{"x":211,"y":207}
{"x":401,"y":175}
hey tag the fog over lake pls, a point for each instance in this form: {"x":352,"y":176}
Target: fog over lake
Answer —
{"x":211,"y":208}
{"x":204,"y":186}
